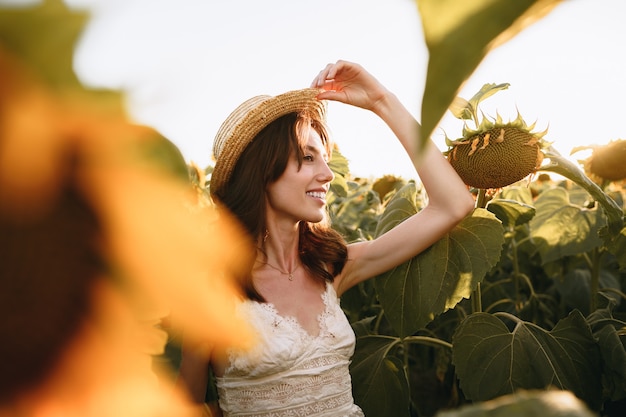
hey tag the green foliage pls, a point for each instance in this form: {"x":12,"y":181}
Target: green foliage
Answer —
{"x":525,"y":293}
{"x":547,"y":264}
{"x":413,"y":293}
{"x":459,"y":34}
{"x":562,"y":229}
{"x":552,"y":290}
{"x":492,"y":361}
{"x":382,"y":382}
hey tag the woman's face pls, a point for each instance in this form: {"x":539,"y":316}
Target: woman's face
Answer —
{"x":300,"y":192}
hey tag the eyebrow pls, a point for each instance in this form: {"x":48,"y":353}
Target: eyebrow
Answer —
{"x":318,"y":150}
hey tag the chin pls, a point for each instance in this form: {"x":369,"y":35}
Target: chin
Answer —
{"x":316,"y":218}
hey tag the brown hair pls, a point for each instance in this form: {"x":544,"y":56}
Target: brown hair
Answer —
{"x":322,"y":250}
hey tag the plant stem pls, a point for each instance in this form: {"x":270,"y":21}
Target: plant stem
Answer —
{"x":429,"y":341}
{"x":516,"y":272}
{"x":481,"y":199}
{"x":595,"y":279}
{"x":477,"y":302}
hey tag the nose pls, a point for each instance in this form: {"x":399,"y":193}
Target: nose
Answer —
{"x":326,"y":174}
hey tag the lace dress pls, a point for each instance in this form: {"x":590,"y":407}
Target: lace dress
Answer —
{"x":289,"y":372}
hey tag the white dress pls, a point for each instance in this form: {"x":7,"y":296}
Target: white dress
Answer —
{"x":289,"y":372}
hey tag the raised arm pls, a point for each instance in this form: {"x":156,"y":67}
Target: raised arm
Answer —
{"x":449,"y":200}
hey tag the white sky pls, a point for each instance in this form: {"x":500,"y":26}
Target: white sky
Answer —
{"x":185,"y":64}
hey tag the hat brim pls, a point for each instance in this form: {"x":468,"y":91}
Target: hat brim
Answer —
{"x":247,"y":120}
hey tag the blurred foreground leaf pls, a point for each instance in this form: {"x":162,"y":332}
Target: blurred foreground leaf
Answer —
{"x":459,"y":34}
{"x":551,"y":403}
{"x":43,"y":37}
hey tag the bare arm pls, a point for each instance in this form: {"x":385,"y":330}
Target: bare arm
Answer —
{"x":193,"y":374}
{"x":193,"y":378}
{"x":449,"y":200}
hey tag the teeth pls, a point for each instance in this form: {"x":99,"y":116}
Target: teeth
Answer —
{"x":316,"y":194}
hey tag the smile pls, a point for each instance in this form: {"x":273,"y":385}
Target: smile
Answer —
{"x":316,"y":194}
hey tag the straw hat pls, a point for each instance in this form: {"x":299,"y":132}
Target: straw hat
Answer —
{"x":247,"y":120}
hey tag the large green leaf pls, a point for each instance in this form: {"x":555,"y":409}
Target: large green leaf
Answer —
{"x":413,"y":293}
{"x":612,"y":347}
{"x":511,"y":212}
{"x":492,"y":361}
{"x":562,"y":229}
{"x":459,"y":34}
{"x":380,"y":386}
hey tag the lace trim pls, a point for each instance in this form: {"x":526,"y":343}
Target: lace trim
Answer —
{"x":321,"y":362}
{"x":283,"y":390}
{"x":329,"y":404}
{"x":322,"y":319}
{"x":276,"y":394}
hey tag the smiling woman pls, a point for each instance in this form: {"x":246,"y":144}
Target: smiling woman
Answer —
{"x":272,"y":173}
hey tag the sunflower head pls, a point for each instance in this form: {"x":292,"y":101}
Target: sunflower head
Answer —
{"x":606,"y":162}
{"x":497,"y":153}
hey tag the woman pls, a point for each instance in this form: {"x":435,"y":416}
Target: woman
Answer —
{"x":272,"y":172}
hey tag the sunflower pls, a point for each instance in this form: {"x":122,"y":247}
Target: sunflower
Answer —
{"x":607,"y":162}
{"x":496,"y":154}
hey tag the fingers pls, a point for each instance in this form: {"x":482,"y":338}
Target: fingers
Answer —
{"x":328,"y":74}
{"x":322,"y":77}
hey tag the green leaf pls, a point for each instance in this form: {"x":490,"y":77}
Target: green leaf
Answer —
{"x":163,"y":153}
{"x":340,"y":167}
{"x":461,"y":109}
{"x":521,"y":194}
{"x":458,"y":35}
{"x":561,"y":229}
{"x":380,"y":386}
{"x":492,"y":361}
{"x":605,"y":329}
{"x":356,"y":214}
{"x":413,"y":293}
{"x":487,"y":90}
{"x":614,"y":358}
{"x":399,"y":208}
{"x":524,"y":404}
{"x":618,"y":248}
{"x":575,"y":287}
{"x":510,"y":212}
{"x":566,"y":168}
{"x":43,"y":37}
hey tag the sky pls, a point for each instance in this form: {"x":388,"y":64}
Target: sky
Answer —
{"x":186,"y":64}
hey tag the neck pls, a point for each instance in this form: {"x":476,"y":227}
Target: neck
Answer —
{"x":279,"y":250}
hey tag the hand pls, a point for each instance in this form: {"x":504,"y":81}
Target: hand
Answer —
{"x":350,"y":83}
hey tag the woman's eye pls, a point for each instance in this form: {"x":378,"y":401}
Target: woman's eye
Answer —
{"x":308,"y":158}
